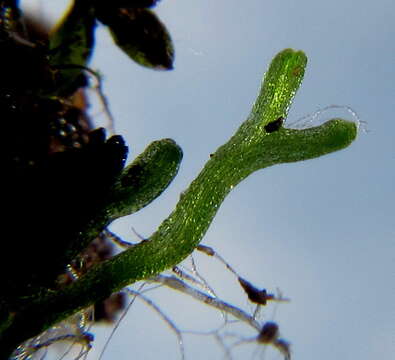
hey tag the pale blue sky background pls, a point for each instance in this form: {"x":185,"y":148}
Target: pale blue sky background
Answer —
{"x":322,"y":230}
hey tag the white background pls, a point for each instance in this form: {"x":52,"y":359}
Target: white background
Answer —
{"x":322,"y":230}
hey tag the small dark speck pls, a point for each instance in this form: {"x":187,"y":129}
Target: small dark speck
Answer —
{"x":274,"y":125}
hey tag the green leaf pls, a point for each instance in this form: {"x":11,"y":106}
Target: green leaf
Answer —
{"x":141,"y":35}
{"x":71,"y":46}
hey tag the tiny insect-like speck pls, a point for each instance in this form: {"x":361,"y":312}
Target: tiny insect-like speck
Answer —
{"x":274,"y":125}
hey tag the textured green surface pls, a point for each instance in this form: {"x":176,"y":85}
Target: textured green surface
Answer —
{"x":139,"y":184}
{"x":145,"y":178}
{"x":71,"y":43}
{"x":142,"y":36}
{"x":250,"y":149}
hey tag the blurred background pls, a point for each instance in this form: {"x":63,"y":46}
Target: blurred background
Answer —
{"x":322,"y":231}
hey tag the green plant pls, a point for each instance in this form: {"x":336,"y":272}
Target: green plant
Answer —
{"x":32,"y":299}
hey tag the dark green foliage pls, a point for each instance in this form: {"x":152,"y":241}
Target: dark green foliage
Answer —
{"x":71,"y":47}
{"x":141,"y":35}
{"x":135,"y":29}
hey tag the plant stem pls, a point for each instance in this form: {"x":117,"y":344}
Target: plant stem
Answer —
{"x":250,"y":149}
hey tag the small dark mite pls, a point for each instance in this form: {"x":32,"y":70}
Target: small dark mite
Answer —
{"x":255,"y":295}
{"x":274,"y":125}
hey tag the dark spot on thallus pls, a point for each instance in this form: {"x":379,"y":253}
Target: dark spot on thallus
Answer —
{"x":133,"y":177}
{"x":274,"y":125}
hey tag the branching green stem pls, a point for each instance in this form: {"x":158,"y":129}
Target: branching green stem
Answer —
{"x":250,"y":149}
